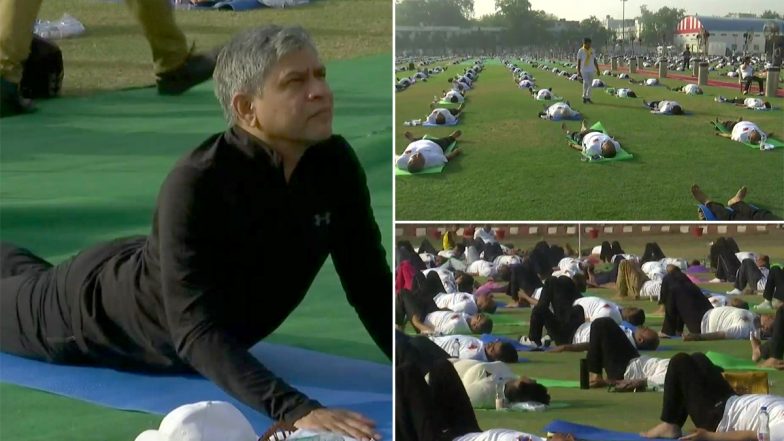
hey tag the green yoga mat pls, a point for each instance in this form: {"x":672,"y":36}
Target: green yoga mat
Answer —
{"x":777,"y":144}
{"x":429,"y":170}
{"x":568,"y":384}
{"x":87,"y":169}
{"x":448,"y":103}
{"x":622,"y":154}
{"x":733,"y":363}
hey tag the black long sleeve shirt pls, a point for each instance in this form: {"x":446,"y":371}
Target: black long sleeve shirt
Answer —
{"x":233,"y":250}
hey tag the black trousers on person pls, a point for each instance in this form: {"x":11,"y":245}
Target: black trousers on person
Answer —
{"x":609,"y":349}
{"x":774,"y":287}
{"x":522,"y":276}
{"x":722,"y":246}
{"x":606,"y":254}
{"x":615,"y":248}
{"x":748,"y":274}
{"x":684,"y":304}
{"x":747,"y":83}
{"x":652,"y":253}
{"x":40,"y":327}
{"x":740,"y":211}
{"x":438,"y":411}
{"x":774,"y":347}
{"x":405,"y":251}
{"x":564,"y":319}
{"x":492,"y":250}
{"x":694,"y":388}
{"x":542,"y":259}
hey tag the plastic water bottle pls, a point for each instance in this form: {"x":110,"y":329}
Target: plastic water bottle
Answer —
{"x":66,"y":26}
{"x":763,"y":434}
{"x":456,"y":348}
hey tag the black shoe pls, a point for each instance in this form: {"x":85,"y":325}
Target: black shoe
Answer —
{"x":196,"y":70}
{"x":588,"y":100}
{"x":585,"y":100}
{"x":11,"y":101}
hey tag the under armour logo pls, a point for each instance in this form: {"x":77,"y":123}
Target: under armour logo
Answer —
{"x":319,"y":218}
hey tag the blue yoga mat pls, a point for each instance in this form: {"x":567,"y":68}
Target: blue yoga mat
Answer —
{"x":334,"y":381}
{"x":590,"y":433}
{"x":490,"y":338}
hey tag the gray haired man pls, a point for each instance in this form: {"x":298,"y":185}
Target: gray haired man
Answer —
{"x":200,"y":290}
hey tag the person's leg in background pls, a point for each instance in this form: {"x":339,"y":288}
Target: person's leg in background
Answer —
{"x":774,"y":347}
{"x":744,"y":211}
{"x":774,"y":287}
{"x":17,"y":18}
{"x":176,"y":68}
{"x":748,"y":275}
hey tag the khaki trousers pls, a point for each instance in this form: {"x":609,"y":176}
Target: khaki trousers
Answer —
{"x":17,"y":17}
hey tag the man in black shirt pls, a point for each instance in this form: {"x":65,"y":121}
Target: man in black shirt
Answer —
{"x":203,"y":287}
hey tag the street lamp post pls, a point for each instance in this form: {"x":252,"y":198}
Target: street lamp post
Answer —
{"x":623,"y":26}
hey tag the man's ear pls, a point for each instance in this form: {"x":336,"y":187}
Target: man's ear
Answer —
{"x":244,"y":111}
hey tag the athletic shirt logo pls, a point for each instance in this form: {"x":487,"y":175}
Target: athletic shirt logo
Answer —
{"x":324,"y":218}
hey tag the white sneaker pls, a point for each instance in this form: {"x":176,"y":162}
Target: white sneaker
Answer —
{"x":735,"y":292}
{"x":715,"y":280}
{"x":528,"y":342}
{"x":764,"y":305}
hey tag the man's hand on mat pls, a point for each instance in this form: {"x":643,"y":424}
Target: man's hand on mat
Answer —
{"x":339,"y":421}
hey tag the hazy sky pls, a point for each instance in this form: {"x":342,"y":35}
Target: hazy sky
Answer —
{"x":578,"y":10}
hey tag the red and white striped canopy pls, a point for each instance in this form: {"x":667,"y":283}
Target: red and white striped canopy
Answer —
{"x":689,"y":25}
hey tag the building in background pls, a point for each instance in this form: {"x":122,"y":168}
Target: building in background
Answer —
{"x":725,"y":36}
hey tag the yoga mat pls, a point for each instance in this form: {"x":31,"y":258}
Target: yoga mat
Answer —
{"x":622,"y":154}
{"x":589,"y":433}
{"x":506,"y":319}
{"x":733,"y":363}
{"x":447,"y":103}
{"x":772,"y":141}
{"x":429,"y":170}
{"x":340,"y":382}
{"x":89,"y":170}
{"x":566,"y":384}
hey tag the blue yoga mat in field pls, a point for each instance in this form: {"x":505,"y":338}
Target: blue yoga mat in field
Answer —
{"x":334,"y":381}
{"x":590,"y":433}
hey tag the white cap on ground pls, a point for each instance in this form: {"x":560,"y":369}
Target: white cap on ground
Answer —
{"x":202,"y":421}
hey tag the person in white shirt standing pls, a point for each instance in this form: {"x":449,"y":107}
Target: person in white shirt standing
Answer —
{"x":587,"y":67}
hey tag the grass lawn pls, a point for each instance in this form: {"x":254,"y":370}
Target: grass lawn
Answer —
{"x":516,"y":166}
{"x":114,"y":54}
{"x":618,"y":411}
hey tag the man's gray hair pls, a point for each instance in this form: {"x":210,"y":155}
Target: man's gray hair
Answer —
{"x":244,"y":63}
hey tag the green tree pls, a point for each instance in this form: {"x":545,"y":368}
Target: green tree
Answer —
{"x":771,"y":14}
{"x":659,"y":26}
{"x":433,"y":12}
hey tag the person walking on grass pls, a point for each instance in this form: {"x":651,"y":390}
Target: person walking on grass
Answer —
{"x":587,"y":68}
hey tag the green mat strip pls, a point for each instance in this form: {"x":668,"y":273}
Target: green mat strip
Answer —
{"x":730,"y":362}
{"x":569,"y":384}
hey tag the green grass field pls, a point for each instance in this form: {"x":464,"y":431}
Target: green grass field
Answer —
{"x":516,"y":166}
{"x":619,"y":411}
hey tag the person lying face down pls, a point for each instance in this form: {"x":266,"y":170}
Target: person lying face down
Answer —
{"x":625,"y":93}
{"x":559,"y":111}
{"x":424,"y":153}
{"x":750,"y":103}
{"x":442,"y":116}
{"x":543,"y":94}
{"x":595,"y":144}
{"x":688,"y":89}
{"x":664,"y":107}
{"x":466,"y":347}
